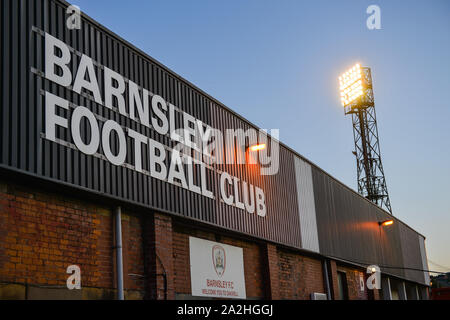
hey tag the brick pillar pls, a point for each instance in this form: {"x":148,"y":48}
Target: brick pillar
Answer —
{"x":272,"y":272}
{"x":159,"y":257}
{"x":332,"y":270}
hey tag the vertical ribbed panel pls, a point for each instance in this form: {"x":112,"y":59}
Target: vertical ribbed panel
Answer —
{"x":423,"y":254}
{"x":412,"y":255}
{"x":24,"y":25}
{"x":348,"y":227}
{"x":306,"y":206}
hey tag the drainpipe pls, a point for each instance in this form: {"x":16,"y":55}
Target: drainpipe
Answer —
{"x":327,"y":279}
{"x":118,"y":249}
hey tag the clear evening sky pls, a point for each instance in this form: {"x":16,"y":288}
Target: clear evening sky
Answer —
{"x":277,"y":63}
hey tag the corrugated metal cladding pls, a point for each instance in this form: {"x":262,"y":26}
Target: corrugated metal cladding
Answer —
{"x":423,"y":254}
{"x":411,"y":251}
{"x":23,"y":146}
{"x":349,"y":229}
{"x":305,"y":207}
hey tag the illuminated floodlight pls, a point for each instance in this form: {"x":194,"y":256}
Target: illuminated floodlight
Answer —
{"x":351,"y":85}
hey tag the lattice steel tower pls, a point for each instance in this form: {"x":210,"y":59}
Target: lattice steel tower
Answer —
{"x":358,"y":100}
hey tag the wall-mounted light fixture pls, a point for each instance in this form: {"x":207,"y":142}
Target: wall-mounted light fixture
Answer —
{"x":386,"y":223}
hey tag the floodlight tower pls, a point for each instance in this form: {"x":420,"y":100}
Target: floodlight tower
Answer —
{"x":358,"y":100}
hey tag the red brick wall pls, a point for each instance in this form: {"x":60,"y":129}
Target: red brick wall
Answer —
{"x":253,"y":260}
{"x":353,"y":283}
{"x":299,"y":276}
{"x":253,"y":266}
{"x":159,"y":250}
{"x":133,"y":252}
{"x":182,"y":280}
{"x":41,"y":233}
{"x":273,"y":272}
{"x":181,"y":259}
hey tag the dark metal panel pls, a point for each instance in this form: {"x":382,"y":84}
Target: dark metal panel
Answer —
{"x":345,"y":220}
{"x":15,"y":85}
{"x":348,"y":229}
{"x":281,"y":223}
{"x":23,"y":84}
{"x":6,"y":79}
{"x":411,"y":251}
{"x":38,"y":82}
{"x":423,"y":254}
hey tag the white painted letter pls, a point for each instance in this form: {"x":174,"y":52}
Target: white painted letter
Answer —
{"x":118,"y":159}
{"x":260,"y":202}
{"x":77,"y":115}
{"x":164,"y":127}
{"x":136,"y":102}
{"x":249,"y":205}
{"x":111,"y":91}
{"x":223,"y":189}
{"x":238,"y":203}
{"x":205,"y":191}
{"x":51,"y":118}
{"x":80,"y":82}
{"x":176,"y":162}
{"x":52,"y":60}
{"x":190,"y":166}
{"x":139,"y":139}
{"x":157,"y":159}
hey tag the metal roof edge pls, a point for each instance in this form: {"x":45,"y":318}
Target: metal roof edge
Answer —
{"x":146,"y":55}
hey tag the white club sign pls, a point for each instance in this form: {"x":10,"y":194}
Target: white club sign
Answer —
{"x":217,"y":269}
{"x":150,"y":110}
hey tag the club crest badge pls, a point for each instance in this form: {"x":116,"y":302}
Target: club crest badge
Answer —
{"x":219,"y":259}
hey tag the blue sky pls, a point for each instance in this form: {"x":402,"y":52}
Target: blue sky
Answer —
{"x":277,"y":63}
